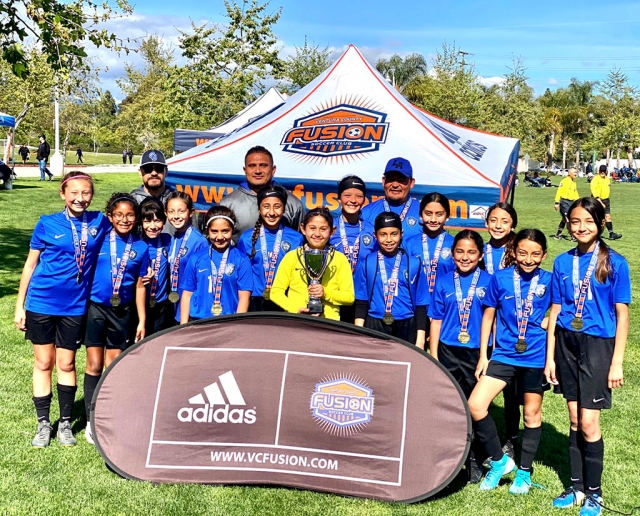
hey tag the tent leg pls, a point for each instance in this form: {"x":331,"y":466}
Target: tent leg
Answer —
{"x":513,"y":193}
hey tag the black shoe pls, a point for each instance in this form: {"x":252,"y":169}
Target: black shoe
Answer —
{"x":474,"y":472}
{"x":614,"y":236}
{"x":509,"y":449}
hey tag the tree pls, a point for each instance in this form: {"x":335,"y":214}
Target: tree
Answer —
{"x":402,"y":71}
{"x":302,"y":68}
{"x":62,"y":29}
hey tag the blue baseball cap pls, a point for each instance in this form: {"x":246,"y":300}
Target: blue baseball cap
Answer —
{"x":400,"y":165}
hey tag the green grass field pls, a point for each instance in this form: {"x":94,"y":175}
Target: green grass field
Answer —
{"x":57,"y":480}
{"x":88,"y":157}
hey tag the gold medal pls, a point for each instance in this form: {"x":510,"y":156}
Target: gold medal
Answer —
{"x":115,"y":300}
{"x":174,"y":297}
{"x":464,"y":337}
{"x":388,"y":319}
{"x":216,"y":309}
{"x":267,"y":294}
{"x":521,"y":346}
{"x":577,"y":323}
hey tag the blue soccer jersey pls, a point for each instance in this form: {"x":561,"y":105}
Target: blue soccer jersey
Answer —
{"x":159,"y":260}
{"x":444,"y":307}
{"x":410,"y":225}
{"x":103,"y":277}
{"x":599,"y":315}
{"x":501,"y":296}
{"x":368,"y":243}
{"x":493,"y":258}
{"x":410,"y":292}
{"x":199,"y":280}
{"x":53,"y":289}
{"x":414,"y":246}
{"x":290,"y":240}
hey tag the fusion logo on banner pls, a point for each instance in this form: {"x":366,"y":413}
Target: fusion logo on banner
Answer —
{"x":205,"y":412}
{"x":337,"y":131}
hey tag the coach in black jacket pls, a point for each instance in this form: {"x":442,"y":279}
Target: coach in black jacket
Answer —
{"x":43,"y":156}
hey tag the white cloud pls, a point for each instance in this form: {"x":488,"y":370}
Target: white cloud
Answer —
{"x":497,"y":80}
{"x":552,"y":81}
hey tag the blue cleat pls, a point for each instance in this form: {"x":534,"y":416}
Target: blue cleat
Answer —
{"x":592,"y":505}
{"x":570,"y":497}
{"x":522,"y":482}
{"x":497,"y":470}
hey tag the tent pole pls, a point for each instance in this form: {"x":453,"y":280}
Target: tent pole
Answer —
{"x":513,"y":192}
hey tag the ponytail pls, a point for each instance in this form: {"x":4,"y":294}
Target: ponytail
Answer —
{"x":603,"y":265}
{"x":255,"y":234}
{"x":510,"y":250}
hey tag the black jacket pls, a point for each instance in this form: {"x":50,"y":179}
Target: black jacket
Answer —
{"x":43,"y":151}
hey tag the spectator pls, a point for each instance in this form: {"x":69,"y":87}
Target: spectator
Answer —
{"x":130,"y":154}
{"x":43,"y":156}
{"x":79,"y":155}
{"x":24,"y":153}
{"x":124,"y":156}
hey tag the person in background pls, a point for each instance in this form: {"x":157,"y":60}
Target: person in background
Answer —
{"x":566,"y":194}
{"x":79,"y":156}
{"x":43,"y":156}
{"x":24,"y":153}
{"x":130,"y":155}
{"x":601,"y":190}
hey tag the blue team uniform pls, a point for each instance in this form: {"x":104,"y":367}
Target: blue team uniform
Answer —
{"x":411,"y":225}
{"x":195,"y":243}
{"x":446,"y":264}
{"x":444,"y":307}
{"x":162,"y":243}
{"x":497,"y":256}
{"x":599,"y":313}
{"x":411,"y":292}
{"x":501,"y":296}
{"x":368,"y":243}
{"x":197,"y":278}
{"x":102,"y":284}
{"x":290,"y":240}
{"x":53,"y":289}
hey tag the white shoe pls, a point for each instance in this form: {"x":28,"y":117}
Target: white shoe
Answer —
{"x":88,"y":435}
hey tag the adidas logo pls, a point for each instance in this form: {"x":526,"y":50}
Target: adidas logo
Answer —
{"x":207,"y":413}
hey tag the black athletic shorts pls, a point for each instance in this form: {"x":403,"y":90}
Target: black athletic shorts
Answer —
{"x":565,"y":204}
{"x":529,"y":379}
{"x":64,"y":331}
{"x":607,"y":205}
{"x":348,"y":313}
{"x":108,"y":326}
{"x":158,"y":318}
{"x":404,"y":329}
{"x":582,"y":368}
{"x":461,"y":362}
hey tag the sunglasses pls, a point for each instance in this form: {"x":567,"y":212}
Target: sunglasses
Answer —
{"x":147,"y":169}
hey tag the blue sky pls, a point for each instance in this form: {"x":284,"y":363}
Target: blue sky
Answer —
{"x":557,"y":40}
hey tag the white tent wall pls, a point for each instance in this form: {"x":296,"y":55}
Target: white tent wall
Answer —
{"x":349,"y":120}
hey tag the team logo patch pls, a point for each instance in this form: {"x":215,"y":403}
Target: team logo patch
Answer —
{"x":164,"y":252}
{"x":228,"y":270}
{"x":480,"y":293}
{"x":153,"y":156}
{"x":183,"y":252}
{"x":541,"y":290}
{"x":367,"y":239}
{"x":412,"y":221}
{"x":340,"y":130}
{"x":93,"y":232}
{"x":446,"y":253}
{"x":342,"y":405}
{"x":285,"y":246}
{"x":132,"y":254}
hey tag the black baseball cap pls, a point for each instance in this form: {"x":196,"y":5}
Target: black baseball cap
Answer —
{"x":153,"y":156}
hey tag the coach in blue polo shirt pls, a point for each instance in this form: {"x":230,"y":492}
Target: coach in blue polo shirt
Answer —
{"x":397,"y":182}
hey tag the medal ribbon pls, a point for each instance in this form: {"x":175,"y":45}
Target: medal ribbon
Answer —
{"x":156,"y":270}
{"x":352,"y":255}
{"x":217,"y":275}
{"x":490,"y":260}
{"x":523,"y":314}
{"x":174,"y":259}
{"x":117,"y":273}
{"x":404,"y":211}
{"x":269,"y":260}
{"x":389,"y":285}
{"x":580,"y":288}
{"x":79,"y":244}
{"x":464,"y":307}
{"x":431,"y":266}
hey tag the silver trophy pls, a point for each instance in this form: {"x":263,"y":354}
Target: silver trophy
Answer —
{"x":316,"y":261}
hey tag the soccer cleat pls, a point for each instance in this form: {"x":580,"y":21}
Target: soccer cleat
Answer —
{"x":558,"y":237}
{"x":498,"y":469}
{"x":88,"y":435}
{"x":65,"y":435}
{"x":474,"y":472}
{"x":43,"y":435}
{"x":522,"y":482}
{"x":592,"y":505}
{"x":570,"y":497}
{"x":509,"y":449}
{"x":614,"y":236}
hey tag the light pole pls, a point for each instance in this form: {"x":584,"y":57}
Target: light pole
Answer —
{"x":57,"y":161}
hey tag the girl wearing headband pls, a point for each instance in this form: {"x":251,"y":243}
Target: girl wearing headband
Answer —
{"x":353,"y":236}
{"x":217,"y":281}
{"x":52,"y":299}
{"x":117,"y":290}
{"x":333,"y":286}
{"x":266,"y":244}
{"x":586,"y":339}
{"x":186,"y":240}
{"x":517,"y":299}
{"x":391,"y":291}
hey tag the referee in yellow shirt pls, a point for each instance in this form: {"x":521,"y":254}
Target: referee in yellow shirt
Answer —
{"x":566,"y":194}
{"x":601,"y":190}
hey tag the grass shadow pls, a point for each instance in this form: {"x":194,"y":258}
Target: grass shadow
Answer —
{"x":14,"y":247}
{"x":16,"y":186}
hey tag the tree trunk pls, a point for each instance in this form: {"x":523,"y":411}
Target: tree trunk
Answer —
{"x":618,"y":158}
{"x":608,"y":157}
{"x":565,"y":146}
{"x":630,"y":158}
{"x":64,"y":145}
{"x":552,"y":137}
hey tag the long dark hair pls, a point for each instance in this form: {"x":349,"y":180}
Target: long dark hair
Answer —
{"x":509,"y":247}
{"x":441,"y":199}
{"x":535,"y":235}
{"x":469,"y":234}
{"x":319,"y":211}
{"x":596,"y":210}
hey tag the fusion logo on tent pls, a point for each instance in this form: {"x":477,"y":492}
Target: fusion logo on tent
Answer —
{"x":342,"y":406}
{"x":206,"y":413}
{"x":340,"y":130}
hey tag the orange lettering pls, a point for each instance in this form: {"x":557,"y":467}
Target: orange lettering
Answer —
{"x":455,"y":205}
{"x":214,"y":194}
{"x":332,"y":201}
{"x":190,"y":191}
{"x":373,"y":132}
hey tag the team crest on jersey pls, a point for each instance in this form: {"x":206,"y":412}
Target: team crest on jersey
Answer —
{"x":480,"y":293}
{"x":412,"y":221}
{"x":446,"y":253}
{"x":93,"y":232}
{"x":164,"y":252}
{"x":367,"y":239}
{"x":339,"y":130}
{"x":285,"y":246}
{"x":183,"y":252}
{"x":541,"y":290}
{"x":132,"y":254}
{"x":228,"y":270}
